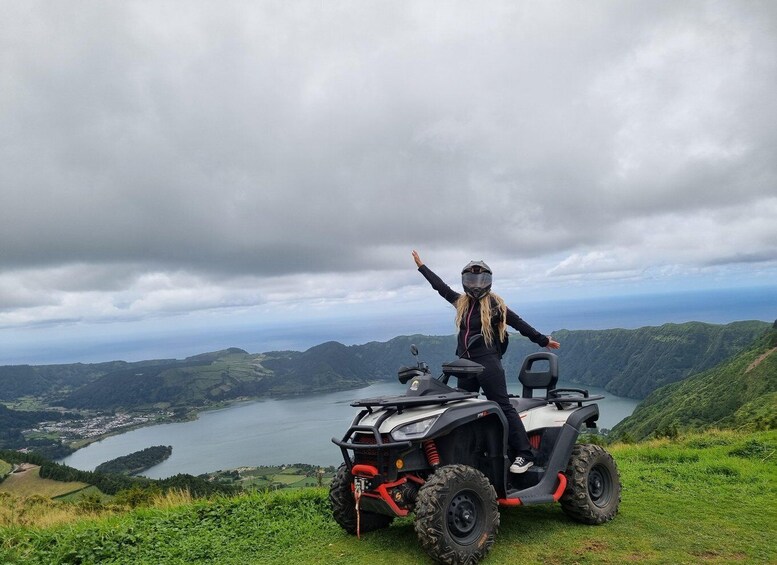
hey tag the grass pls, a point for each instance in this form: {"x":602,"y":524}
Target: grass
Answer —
{"x":5,"y":468}
{"x":700,"y":499}
{"x":29,"y":483}
{"x":79,"y":495}
{"x":681,"y":504}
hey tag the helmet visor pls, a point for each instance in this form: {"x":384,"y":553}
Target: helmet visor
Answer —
{"x":474,"y":281}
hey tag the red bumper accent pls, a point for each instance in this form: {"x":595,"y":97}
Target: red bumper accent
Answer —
{"x":381,"y":491}
{"x":562,"y":485}
{"x":367,"y":471}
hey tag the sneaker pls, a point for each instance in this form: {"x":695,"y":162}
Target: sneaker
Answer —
{"x":521,"y":465}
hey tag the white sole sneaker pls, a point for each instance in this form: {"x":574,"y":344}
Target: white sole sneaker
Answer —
{"x":518,"y":469}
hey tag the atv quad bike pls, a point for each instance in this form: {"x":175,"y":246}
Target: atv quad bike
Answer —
{"x":441,"y":453}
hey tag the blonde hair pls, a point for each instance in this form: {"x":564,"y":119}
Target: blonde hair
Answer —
{"x":463,"y":305}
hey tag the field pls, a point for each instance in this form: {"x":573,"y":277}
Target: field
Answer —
{"x":5,"y":468}
{"x":264,"y":477}
{"x":31,"y":403}
{"x":276,"y":477}
{"x":29,"y":483}
{"x":698,"y":499}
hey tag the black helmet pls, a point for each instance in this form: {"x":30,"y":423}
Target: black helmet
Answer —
{"x":476,"y":279}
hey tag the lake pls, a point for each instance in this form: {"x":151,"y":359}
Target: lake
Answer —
{"x":269,"y":432}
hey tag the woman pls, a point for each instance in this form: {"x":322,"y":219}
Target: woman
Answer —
{"x":482,"y":318}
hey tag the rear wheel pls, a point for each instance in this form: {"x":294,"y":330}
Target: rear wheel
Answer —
{"x":456,"y":515}
{"x":593,"y":491}
{"x":344,"y":506}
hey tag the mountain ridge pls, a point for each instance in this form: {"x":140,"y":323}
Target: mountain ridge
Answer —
{"x":629,"y":363}
{"x":739,"y":392}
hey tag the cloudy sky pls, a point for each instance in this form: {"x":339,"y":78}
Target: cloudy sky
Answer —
{"x":191,"y":172}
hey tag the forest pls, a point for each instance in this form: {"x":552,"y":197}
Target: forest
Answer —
{"x":137,"y":462}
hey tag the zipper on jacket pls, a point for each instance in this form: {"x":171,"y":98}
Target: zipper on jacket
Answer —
{"x":466,"y":334}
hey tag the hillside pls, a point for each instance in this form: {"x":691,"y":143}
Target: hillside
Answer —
{"x":672,"y":491}
{"x":233,"y":373}
{"x":740,"y":392}
{"x":626,"y":362}
{"x":36,"y":380}
{"x":634,"y":363}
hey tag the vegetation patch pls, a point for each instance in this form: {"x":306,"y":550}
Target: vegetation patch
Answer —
{"x":708,"y":440}
{"x":136,"y":462}
{"x":722,"y":470}
{"x":754,"y":449}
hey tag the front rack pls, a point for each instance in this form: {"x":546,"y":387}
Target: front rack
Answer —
{"x":401,"y":402}
{"x":382,"y":449}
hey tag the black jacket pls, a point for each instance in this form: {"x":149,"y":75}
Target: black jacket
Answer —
{"x":471,"y":326}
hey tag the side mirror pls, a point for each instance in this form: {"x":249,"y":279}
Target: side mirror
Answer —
{"x":414,"y":350}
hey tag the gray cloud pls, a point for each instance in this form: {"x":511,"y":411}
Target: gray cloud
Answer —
{"x":209,"y":152}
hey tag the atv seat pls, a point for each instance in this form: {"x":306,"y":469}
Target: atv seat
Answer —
{"x":522,"y":404}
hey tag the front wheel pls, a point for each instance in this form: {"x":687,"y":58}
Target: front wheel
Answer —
{"x":456,"y":515}
{"x":344,"y":506}
{"x":593,"y":491}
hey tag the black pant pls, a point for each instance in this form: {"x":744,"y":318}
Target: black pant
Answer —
{"x":492,"y":381}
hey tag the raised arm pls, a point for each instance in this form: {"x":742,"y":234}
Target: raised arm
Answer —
{"x":437,"y":283}
{"x":515,"y":321}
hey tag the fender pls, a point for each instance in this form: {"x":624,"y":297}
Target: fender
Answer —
{"x":545,"y":490}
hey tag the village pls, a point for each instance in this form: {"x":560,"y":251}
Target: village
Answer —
{"x":95,"y":426}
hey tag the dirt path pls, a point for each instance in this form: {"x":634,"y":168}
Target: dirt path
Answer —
{"x":757,"y":362}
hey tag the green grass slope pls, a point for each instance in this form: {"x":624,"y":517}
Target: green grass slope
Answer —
{"x":704,"y":498}
{"x":739,"y":392}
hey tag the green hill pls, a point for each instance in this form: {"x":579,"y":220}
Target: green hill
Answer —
{"x":224,"y":375}
{"x":740,"y":392}
{"x":626,"y":362}
{"x":39,"y":380}
{"x":705,"y":498}
{"x":634,"y":363}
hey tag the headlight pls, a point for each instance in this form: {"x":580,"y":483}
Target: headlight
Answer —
{"x":413,"y":429}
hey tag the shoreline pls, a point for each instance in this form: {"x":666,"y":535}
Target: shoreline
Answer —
{"x":193,"y":414}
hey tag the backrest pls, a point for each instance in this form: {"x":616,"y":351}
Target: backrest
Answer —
{"x":544,"y":379}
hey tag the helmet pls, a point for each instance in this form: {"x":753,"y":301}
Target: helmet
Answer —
{"x":476,"y":279}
